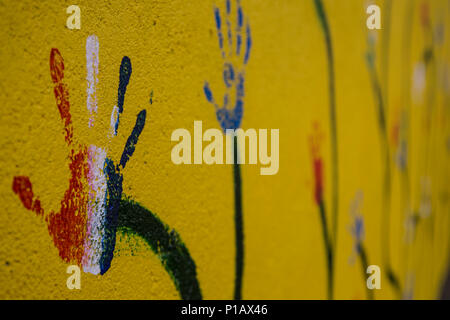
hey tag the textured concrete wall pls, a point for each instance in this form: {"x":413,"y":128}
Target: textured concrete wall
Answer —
{"x":173,"y":48}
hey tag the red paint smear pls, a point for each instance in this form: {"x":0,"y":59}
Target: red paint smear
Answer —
{"x":68,"y":226}
{"x":61,"y":92}
{"x":315,"y":140}
{"x":425,"y":14}
{"x":22,"y":187}
{"x":395,"y":134}
{"x":318,"y":176}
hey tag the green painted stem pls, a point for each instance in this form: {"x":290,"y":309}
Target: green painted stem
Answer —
{"x":165,"y":243}
{"x":239,"y":224}
{"x":328,"y":250}
{"x":364,"y":264}
{"x":331,"y":241}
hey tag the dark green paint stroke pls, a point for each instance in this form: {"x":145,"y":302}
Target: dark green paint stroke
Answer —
{"x":130,"y":146}
{"x":238,"y":224}
{"x":328,"y":249}
{"x":165,"y":243}
{"x":364,"y":265}
{"x":386,"y":41}
{"x":320,"y":10}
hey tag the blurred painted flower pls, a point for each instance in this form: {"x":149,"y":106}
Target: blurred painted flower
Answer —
{"x":357,"y":224}
{"x":315,"y":140}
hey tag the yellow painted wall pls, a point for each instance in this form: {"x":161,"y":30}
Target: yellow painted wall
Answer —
{"x":174,"y":49}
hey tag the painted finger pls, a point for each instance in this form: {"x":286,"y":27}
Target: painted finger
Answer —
{"x":240,"y":22}
{"x":208,"y":94}
{"x":61,"y":92}
{"x":124,"y":78}
{"x":92,"y":61}
{"x":219,"y":29}
{"x":228,"y":23}
{"x":133,"y":138}
{"x":23,"y":188}
{"x":248,"y":44}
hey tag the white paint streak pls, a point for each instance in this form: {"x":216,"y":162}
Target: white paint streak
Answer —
{"x":96,"y":209}
{"x":114,"y":120}
{"x":92,"y":60}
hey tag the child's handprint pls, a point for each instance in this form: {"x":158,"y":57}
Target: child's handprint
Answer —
{"x":84,"y":228}
{"x":93,"y":207}
{"x":230,"y":113}
{"x":235,"y":59}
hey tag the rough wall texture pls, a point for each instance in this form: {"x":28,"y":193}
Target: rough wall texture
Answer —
{"x":391,"y":197}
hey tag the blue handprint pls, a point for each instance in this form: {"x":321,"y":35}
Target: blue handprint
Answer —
{"x":229,"y":115}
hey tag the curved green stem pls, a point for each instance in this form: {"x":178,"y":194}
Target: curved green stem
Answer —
{"x":165,"y":243}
